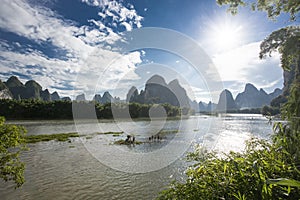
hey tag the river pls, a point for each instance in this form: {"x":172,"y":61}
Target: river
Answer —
{"x":91,"y":167}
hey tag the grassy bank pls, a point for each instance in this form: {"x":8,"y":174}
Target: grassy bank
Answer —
{"x":123,"y":142}
{"x":62,"y":137}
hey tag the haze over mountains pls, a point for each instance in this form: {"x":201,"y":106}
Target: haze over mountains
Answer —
{"x":156,"y":91}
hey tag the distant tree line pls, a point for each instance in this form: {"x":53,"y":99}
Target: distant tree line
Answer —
{"x":265,"y":110}
{"x":37,"y":109}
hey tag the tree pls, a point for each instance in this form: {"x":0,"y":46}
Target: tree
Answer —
{"x":272,"y":7}
{"x":12,"y":142}
{"x":287,"y":42}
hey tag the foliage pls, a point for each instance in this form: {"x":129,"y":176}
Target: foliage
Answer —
{"x":270,"y":111}
{"x":38,"y":109}
{"x":11,"y":144}
{"x":35,"y":109}
{"x":278,"y":101}
{"x":291,"y":110}
{"x":287,"y":42}
{"x":255,"y":174}
{"x":272,"y":7}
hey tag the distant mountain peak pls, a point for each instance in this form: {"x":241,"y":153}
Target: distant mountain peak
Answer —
{"x":55,"y":96}
{"x":174,"y":82}
{"x":250,"y":88}
{"x":262,"y":91}
{"x":2,"y":86}
{"x":80,"y":97}
{"x":13,"y":81}
{"x":156,"y":79}
{"x":158,"y":91}
{"x":251,"y":97}
{"x":227,"y":92}
{"x":132,"y":94}
{"x":33,"y":83}
{"x":107,"y":94}
{"x":30,"y":90}
{"x":226,"y":102}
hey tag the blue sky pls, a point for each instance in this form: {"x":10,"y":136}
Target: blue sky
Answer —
{"x":70,"y":46}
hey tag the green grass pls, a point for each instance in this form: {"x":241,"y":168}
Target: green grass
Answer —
{"x":88,"y":137}
{"x":111,"y":133}
{"x":62,"y":137}
{"x":116,"y":135}
{"x":123,"y":142}
{"x":163,"y":132}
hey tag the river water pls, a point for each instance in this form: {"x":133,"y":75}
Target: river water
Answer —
{"x":91,"y":167}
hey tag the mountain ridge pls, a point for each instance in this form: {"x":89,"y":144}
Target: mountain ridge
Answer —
{"x":156,"y":90}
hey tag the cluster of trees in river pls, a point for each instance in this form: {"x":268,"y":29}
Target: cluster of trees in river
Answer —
{"x":37,"y":109}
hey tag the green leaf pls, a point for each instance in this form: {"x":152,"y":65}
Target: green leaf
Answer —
{"x":284,"y":181}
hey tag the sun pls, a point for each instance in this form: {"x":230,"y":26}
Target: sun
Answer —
{"x":225,"y":35}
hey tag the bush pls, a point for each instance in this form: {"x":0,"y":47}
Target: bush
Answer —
{"x":12,"y":142}
{"x":263,"y":171}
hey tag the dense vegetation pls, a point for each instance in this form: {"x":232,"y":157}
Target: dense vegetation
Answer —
{"x":266,"y":169}
{"x":270,"y":111}
{"x":12,"y":142}
{"x":37,"y":109}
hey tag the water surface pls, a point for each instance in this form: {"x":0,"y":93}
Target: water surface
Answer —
{"x":62,"y":170}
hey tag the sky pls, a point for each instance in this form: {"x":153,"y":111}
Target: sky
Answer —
{"x":73,"y":46}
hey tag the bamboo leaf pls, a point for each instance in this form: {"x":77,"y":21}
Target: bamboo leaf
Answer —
{"x":284,"y":181}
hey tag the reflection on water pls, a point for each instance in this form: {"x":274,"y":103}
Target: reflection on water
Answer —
{"x":68,"y":171}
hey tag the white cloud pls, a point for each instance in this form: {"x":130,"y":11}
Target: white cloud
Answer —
{"x":87,"y":49}
{"x":127,"y":26}
{"x":117,"y":11}
{"x":40,"y":24}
